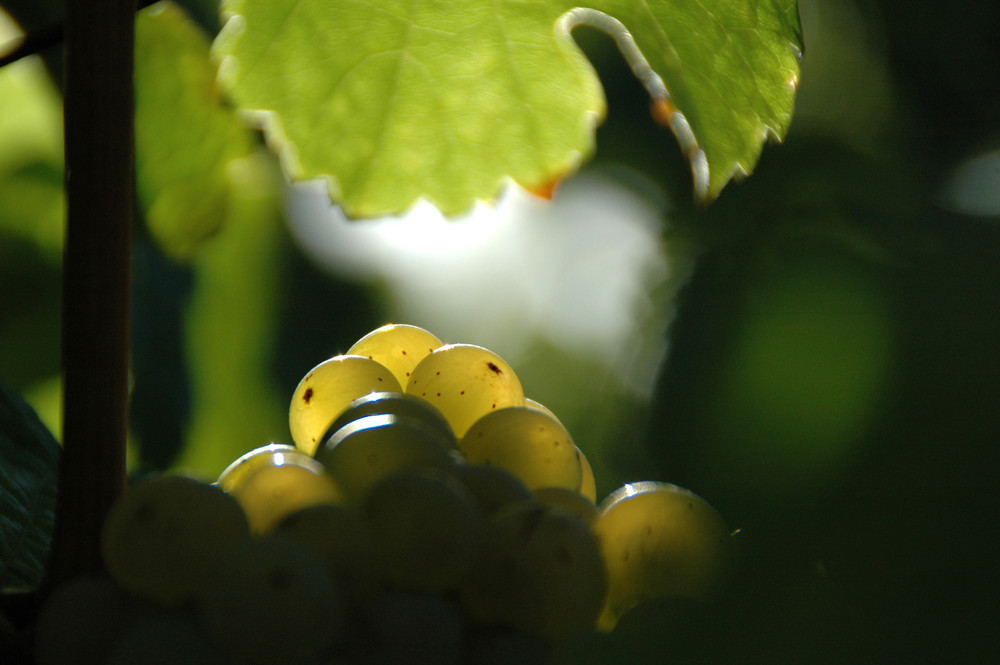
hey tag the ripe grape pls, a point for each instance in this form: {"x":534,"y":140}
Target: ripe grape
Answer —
{"x":426,"y":528}
{"x":281,"y":482}
{"x":660,"y":540}
{"x":327,"y":389}
{"x":398,"y":346}
{"x":588,"y":484}
{"x":164,"y":639}
{"x":465,"y":382}
{"x":571,"y":500}
{"x":79,"y":621}
{"x":412,"y":628}
{"x":600,"y":648}
{"x":342,"y":543}
{"x":539,"y":570}
{"x":529,"y":443}
{"x":247,"y":463}
{"x":502,"y":645}
{"x":491,"y":486}
{"x":371,"y":448}
{"x":161,"y":536}
{"x":393,"y":403}
{"x":270,"y":602}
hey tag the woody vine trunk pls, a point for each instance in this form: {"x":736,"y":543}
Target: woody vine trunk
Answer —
{"x":99,"y":181}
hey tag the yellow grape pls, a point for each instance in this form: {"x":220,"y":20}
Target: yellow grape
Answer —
{"x":292,"y":481}
{"x":660,"y":540}
{"x":539,"y":570}
{"x":342,"y":543}
{"x":529,"y":443}
{"x":465,"y":382}
{"x":329,"y":388}
{"x":538,"y":406}
{"x":247,"y":463}
{"x":398,"y":346}
{"x":270,"y":602}
{"x":162,"y":535}
{"x":426,"y":528}
{"x":371,"y":448}
{"x":571,"y":500}
{"x":79,"y":621}
{"x":588,"y":484}
{"x":491,"y":486}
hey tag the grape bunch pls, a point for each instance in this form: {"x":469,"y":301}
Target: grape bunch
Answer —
{"x":426,"y":512}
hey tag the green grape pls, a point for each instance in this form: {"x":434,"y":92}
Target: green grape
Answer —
{"x":162,"y":536}
{"x":164,"y":639}
{"x":538,"y":406}
{"x":292,"y":481}
{"x":412,"y":628}
{"x":539,"y":570}
{"x":491,"y":486}
{"x":599,"y":648}
{"x":371,"y":448}
{"x":426,"y":528}
{"x":502,"y":645}
{"x":529,"y":443}
{"x":80,"y":621}
{"x":249,"y":462}
{"x":588,"y":484}
{"x":660,"y":540}
{"x":396,"y":404}
{"x":340,"y":539}
{"x":398,"y":346}
{"x":465,"y":382}
{"x":270,"y":602}
{"x":329,"y":388}
{"x":571,"y":500}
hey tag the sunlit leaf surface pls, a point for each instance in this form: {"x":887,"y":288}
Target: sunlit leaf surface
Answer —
{"x":396,"y":100}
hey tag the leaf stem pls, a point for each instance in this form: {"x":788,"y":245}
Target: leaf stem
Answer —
{"x":99,"y":183}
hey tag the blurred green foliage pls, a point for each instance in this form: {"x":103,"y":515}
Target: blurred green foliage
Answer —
{"x":833,"y":377}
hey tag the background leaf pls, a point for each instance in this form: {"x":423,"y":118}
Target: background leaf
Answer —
{"x":186,"y":137}
{"x":425,"y":101}
{"x":28,"y":467}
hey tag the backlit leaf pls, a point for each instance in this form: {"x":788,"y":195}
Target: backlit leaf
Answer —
{"x":396,"y":100}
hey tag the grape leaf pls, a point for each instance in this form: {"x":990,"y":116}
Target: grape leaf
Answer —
{"x":185,"y":135}
{"x":29,"y":458}
{"x":396,"y":100}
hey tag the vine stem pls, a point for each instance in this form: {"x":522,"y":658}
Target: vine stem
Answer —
{"x":99,"y":182}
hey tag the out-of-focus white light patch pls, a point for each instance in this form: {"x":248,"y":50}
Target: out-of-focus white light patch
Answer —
{"x":577,"y":271}
{"x":974,"y":187}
